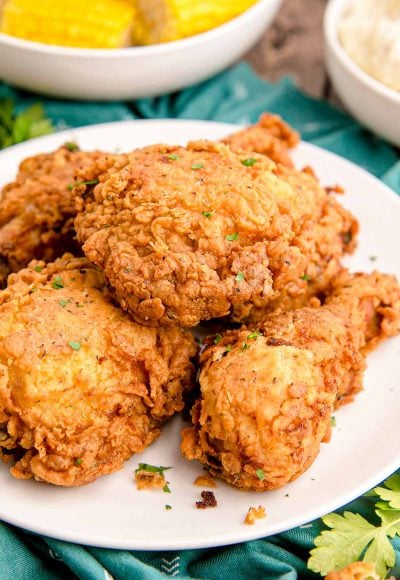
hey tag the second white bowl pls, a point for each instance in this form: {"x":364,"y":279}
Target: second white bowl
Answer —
{"x":374,"y":104}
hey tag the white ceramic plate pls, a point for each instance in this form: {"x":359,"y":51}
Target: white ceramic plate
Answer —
{"x":365,"y":444}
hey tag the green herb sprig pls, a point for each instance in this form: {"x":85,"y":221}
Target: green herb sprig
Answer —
{"x":351,"y":537}
{"x":16,"y":127}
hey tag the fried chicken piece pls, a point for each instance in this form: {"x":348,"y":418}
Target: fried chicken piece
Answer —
{"x":37,"y":209}
{"x":267,"y":393}
{"x":334,"y":233}
{"x":271,"y":136}
{"x":185,"y":234}
{"x":82,"y":386}
{"x":355,"y":571}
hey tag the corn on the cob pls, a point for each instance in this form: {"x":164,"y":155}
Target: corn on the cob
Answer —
{"x":90,"y":24}
{"x":165,"y":20}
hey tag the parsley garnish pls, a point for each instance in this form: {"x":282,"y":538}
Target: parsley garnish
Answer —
{"x":254,"y":334}
{"x":38,"y":268}
{"x":217,"y":338}
{"x":90,"y":182}
{"x":333,"y":421}
{"x":249,"y":161}
{"x":17,"y":127}
{"x":71,"y":146}
{"x":173,"y":157}
{"x":207,"y":214}
{"x":244,"y":346}
{"x":57,"y":283}
{"x":78,"y":461}
{"x":260,"y":474}
{"x":197,"y":166}
{"x":351,"y":537}
{"x":166,"y":489}
{"x":74,"y":345}
{"x":63,"y":303}
{"x":228,"y":348}
{"x":151,"y":468}
{"x":239,"y":277}
{"x":232,"y":237}
{"x":305,"y":277}
{"x":168,"y":507}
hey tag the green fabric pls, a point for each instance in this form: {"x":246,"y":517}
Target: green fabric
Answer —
{"x":235,"y":96}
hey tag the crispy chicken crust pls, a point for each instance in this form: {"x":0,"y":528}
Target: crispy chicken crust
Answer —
{"x":270,"y":136}
{"x":267,"y":393}
{"x":186,"y":234}
{"x":355,"y":571}
{"x":82,"y":386}
{"x":38,"y":207}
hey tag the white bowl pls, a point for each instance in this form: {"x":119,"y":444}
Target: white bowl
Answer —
{"x":126,"y":73}
{"x":374,"y":104}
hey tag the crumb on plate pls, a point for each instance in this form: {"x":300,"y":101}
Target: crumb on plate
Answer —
{"x":254,"y":514}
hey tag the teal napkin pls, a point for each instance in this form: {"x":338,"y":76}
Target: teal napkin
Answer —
{"x":235,"y":96}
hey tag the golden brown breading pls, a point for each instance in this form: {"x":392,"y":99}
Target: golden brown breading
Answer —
{"x":185,"y":234}
{"x":267,"y":393}
{"x":82,"y":386}
{"x":355,"y":571}
{"x":334,"y":234}
{"x":271,"y":136}
{"x":38,"y":207}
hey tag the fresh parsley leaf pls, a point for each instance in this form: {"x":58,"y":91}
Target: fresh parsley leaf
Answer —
{"x":16,"y":127}
{"x":90,"y":182}
{"x":254,"y":334}
{"x":351,"y":537}
{"x":249,"y":162}
{"x":260,"y":474}
{"x":57,"y":283}
{"x":197,"y":166}
{"x":232,"y":237}
{"x":151,"y":468}
{"x":218,"y":338}
{"x":71,"y":146}
{"x":239,"y":277}
{"x":74,"y":345}
{"x":391,"y":492}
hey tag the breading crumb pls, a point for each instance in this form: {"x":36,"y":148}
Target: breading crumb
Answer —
{"x":208,"y":500}
{"x":149,"y":480}
{"x":205,"y":481}
{"x":254,"y":514}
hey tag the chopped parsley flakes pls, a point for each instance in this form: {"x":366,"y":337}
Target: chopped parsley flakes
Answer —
{"x":217,"y":338}
{"x":57,"y":283}
{"x":333,"y":421}
{"x":38,"y":268}
{"x":71,"y":146}
{"x":232,"y":237}
{"x":78,"y":461}
{"x":63,"y":303}
{"x":305,"y":277}
{"x":74,"y":345}
{"x":254,"y":334}
{"x":207,"y":214}
{"x":249,"y":161}
{"x":173,"y":157}
{"x":168,"y":507}
{"x":260,"y":474}
{"x":244,"y":346}
{"x":197,"y":166}
{"x":239,"y":277}
{"x":90,"y":182}
{"x":151,"y":468}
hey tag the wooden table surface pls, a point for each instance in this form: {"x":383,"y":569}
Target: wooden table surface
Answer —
{"x":293,"y":45}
